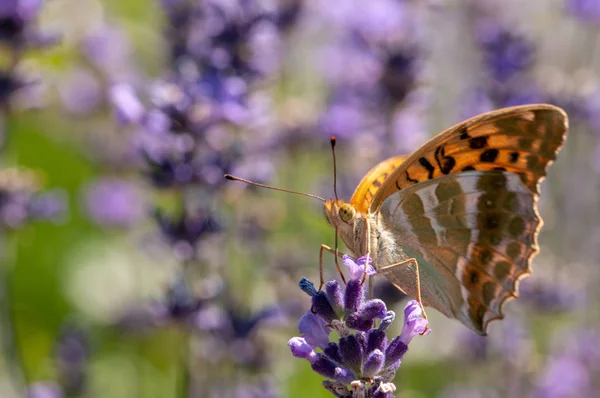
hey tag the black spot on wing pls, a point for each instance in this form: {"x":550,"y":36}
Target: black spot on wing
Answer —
{"x":463,"y":133}
{"x":445,"y":163}
{"x":448,"y":164}
{"x":489,"y":155}
{"x":428,"y":166}
{"x":478,"y":142}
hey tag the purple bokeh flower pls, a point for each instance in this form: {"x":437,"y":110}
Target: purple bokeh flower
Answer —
{"x":71,"y":356}
{"x":507,"y":57}
{"x":549,"y":297}
{"x":108,"y":49}
{"x":372,"y":65}
{"x":127,"y":106}
{"x":362,"y":359}
{"x":505,"y":53}
{"x":114,"y":202}
{"x":44,"y":390}
{"x":22,"y":201}
{"x":183,"y":231}
{"x":564,"y":376}
{"x":584,"y":10}
{"x":18,"y":27}
{"x":80,"y":92}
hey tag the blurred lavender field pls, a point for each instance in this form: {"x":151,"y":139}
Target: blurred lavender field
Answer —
{"x":131,"y":268}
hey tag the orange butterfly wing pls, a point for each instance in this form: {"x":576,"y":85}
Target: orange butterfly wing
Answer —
{"x":521,"y":139}
{"x":372,"y":181}
{"x":457,"y":232}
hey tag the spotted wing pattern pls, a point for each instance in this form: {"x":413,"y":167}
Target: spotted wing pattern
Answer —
{"x":522,"y":139}
{"x":473,"y":235}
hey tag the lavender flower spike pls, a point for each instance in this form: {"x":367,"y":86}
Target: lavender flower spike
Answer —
{"x":361,"y":363}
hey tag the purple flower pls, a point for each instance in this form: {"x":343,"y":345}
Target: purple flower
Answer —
{"x":108,"y":49}
{"x":585,"y":10}
{"x":44,"y":390}
{"x":549,"y":297}
{"x":508,"y":56}
{"x":114,"y":202}
{"x":414,"y":323}
{"x":71,"y":355}
{"x":183,"y":231}
{"x":505,"y":53}
{"x":127,"y":106}
{"x":17,"y":24}
{"x":564,"y":376}
{"x":362,"y":351}
{"x":21,"y":200}
{"x":314,"y":330}
{"x":357,"y":269}
{"x":81,"y":93}
{"x":10,"y":83}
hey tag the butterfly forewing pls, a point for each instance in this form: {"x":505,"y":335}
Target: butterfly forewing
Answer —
{"x":473,"y":235}
{"x":523,"y":140}
{"x":372,"y":181}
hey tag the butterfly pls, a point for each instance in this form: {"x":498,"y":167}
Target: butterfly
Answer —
{"x":455,"y":224}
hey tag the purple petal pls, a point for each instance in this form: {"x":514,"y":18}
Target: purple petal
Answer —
{"x":322,"y":307}
{"x":373,"y":309}
{"x":334,"y":295}
{"x":301,"y":349}
{"x":413,"y":322}
{"x":373,"y":364}
{"x":357,"y":269}
{"x":351,"y":352}
{"x":333,"y":352}
{"x":313,"y":330}
{"x":353,"y":296}
{"x":394,"y":352}
{"x":344,"y":375}
{"x":354,"y":321}
{"x":376,"y":340}
{"x":325,"y":367}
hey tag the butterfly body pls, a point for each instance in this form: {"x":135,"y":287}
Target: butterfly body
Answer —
{"x":463,"y":206}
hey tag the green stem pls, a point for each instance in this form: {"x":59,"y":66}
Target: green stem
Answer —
{"x":8,"y":332}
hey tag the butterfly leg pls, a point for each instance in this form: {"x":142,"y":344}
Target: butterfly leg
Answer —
{"x":337,"y":254}
{"x":415,"y":263}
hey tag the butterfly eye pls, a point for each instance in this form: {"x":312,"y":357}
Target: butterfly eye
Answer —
{"x":346,"y":212}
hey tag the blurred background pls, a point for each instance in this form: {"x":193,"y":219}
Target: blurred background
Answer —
{"x":131,"y":268}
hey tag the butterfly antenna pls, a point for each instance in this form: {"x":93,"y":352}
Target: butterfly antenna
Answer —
{"x":334,"y":168}
{"x":233,"y":178}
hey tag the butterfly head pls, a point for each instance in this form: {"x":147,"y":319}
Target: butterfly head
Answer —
{"x":339,"y":212}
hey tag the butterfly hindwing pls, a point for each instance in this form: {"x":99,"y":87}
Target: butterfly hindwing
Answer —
{"x":522,"y":139}
{"x":473,"y":235}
